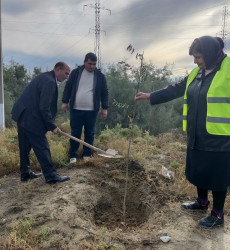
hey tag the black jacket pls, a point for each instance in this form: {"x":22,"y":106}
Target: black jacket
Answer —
{"x":197,"y":135}
{"x":100,"y":90}
{"x":36,"y":107}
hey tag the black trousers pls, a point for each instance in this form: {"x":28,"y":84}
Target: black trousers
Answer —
{"x":41,"y":149}
{"x":78,"y":120}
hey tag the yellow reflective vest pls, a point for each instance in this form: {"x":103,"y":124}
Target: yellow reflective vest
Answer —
{"x":218,"y":100}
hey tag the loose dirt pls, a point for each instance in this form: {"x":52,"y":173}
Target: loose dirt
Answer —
{"x":87,"y":212}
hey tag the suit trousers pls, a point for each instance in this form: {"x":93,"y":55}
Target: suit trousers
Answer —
{"x":40,"y":145}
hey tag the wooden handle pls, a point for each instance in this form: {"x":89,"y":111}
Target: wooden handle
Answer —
{"x":84,"y":143}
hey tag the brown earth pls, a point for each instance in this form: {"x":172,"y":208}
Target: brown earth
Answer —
{"x":87,"y":212}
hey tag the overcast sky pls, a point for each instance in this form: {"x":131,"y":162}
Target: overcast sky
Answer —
{"x":39,"y":33}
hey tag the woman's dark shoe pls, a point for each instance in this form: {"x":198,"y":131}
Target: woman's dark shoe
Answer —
{"x":212,"y":220}
{"x":28,"y":176}
{"x":195,"y":206}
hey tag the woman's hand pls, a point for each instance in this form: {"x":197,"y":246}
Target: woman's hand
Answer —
{"x":142,"y":96}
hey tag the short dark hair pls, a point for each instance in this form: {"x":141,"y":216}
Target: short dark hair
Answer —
{"x":60,"y":65}
{"x":195,"y":47}
{"x":90,"y":56}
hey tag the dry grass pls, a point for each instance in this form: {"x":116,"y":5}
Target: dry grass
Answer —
{"x":168,"y":150}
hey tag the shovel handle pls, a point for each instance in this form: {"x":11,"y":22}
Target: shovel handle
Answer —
{"x":84,"y":143}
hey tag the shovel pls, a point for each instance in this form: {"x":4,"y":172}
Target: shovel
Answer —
{"x":110,"y":153}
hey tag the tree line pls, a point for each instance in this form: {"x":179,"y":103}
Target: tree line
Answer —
{"x":122,"y":80}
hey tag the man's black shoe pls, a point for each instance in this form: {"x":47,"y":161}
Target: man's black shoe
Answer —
{"x":57,"y":178}
{"x":31,"y":175}
{"x":195,"y":206}
{"x":212,"y":220}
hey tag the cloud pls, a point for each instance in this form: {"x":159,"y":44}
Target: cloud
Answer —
{"x":17,"y":8}
{"x":163,"y":29}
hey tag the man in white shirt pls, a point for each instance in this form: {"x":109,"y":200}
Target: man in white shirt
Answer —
{"x":85,"y":94}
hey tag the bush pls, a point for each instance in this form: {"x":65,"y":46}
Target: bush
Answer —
{"x":118,"y":132}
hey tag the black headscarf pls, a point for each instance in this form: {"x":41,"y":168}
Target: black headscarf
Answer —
{"x":211,"y":50}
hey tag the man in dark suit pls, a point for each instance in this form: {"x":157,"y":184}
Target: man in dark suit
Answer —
{"x":34,"y":111}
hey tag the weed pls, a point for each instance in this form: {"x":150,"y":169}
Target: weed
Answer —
{"x":82,"y":180}
{"x":44,"y":233}
{"x":102,"y":240}
{"x":178,"y":146}
{"x":23,"y":229}
{"x":59,"y":154}
{"x":175,"y":164}
{"x":22,"y":236}
{"x":59,"y":243}
{"x":118,"y":132}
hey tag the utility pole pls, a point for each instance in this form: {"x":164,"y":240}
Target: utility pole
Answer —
{"x":97,"y":29}
{"x":223,"y":32}
{"x":2,"y":112}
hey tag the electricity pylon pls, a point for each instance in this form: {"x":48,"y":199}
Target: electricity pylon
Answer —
{"x":223,"y":31}
{"x":97,"y":29}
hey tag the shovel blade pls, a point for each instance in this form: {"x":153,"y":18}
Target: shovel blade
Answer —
{"x":111,"y":153}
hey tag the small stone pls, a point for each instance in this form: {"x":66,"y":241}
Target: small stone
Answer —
{"x":3,"y":221}
{"x":164,"y":234}
{"x":165,"y":239}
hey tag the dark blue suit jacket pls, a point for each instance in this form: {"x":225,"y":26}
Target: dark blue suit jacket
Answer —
{"x":36,"y":107}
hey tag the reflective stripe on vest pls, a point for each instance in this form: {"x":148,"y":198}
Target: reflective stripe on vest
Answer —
{"x":218,"y":101}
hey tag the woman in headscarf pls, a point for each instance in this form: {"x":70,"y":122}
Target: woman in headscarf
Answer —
{"x":206,"y":118}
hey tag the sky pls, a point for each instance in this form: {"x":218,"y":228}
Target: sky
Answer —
{"x":40,"y":33}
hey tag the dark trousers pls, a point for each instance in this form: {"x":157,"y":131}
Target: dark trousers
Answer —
{"x":41,"y":149}
{"x":78,"y":120}
{"x":218,"y":197}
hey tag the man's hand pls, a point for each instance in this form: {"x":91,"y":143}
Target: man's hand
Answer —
{"x":104,"y":113}
{"x":56,"y":130}
{"x":142,"y":96}
{"x":65,"y":107}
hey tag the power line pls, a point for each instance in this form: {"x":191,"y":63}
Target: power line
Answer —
{"x":97,"y":29}
{"x":223,"y":31}
{"x":64,"y":51}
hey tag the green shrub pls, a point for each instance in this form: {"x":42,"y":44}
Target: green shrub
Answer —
{"x":118,"y":132}
{"x":175,"y":164}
